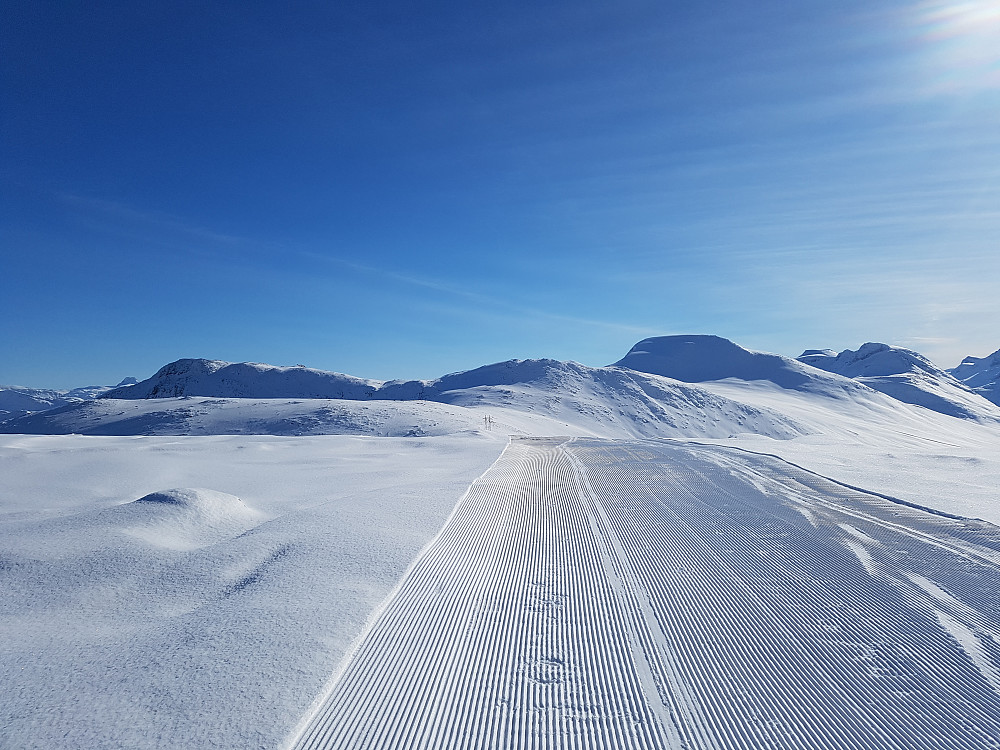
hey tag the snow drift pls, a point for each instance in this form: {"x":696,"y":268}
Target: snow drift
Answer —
{"x":185,"y":518}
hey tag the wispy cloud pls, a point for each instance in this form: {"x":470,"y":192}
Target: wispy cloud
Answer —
{"x":129,"y":217}
{"x":472,"y":302}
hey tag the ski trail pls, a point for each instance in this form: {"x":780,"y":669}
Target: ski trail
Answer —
{"x":597,"y":594}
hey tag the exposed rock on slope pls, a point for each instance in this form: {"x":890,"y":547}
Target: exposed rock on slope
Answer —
{"x":208,"y":377}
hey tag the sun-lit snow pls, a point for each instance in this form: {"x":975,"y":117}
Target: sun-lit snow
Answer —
{"x":16,"y":401}
{"x":906,"y":376}
{"x":981,"y":374}
{"x":193,"y":567}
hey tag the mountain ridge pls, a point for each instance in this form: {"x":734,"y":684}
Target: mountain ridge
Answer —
{"x":669,"y":386}
{"x":906,"y":376}
{"x":981,"y":374}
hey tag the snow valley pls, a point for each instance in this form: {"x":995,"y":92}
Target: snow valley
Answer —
{"x":697,"y":546}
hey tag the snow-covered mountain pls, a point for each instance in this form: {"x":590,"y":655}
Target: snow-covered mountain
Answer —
{"x":209,"y":377}
{"x":17,"y":401}
{"x":906,"y":376}
{"x":667,"y":386}
{"x":704,"y":359}
{"x":245,"y":565}
{"x":981,"y":374}
{"x":535,"y":396}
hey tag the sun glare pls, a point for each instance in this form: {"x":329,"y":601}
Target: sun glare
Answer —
{"x":962,"y":41}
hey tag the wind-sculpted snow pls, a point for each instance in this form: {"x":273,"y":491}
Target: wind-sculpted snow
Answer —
{"x":239,"y":416}
{"x":591,"y":594}
{"x":981,"y":374}
{"x":906,"y":376}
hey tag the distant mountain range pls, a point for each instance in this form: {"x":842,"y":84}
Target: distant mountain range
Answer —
{"x":668,"y":386}
{"x":16,"y":401}
{"x":982,"y":375}
{"x":904,"y":375}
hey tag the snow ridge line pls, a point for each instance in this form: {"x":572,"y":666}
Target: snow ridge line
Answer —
{"x":295,"y":735}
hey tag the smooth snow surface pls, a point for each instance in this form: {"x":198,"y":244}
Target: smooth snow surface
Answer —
{"x":133,"y":615}
{"x":601,"y":594}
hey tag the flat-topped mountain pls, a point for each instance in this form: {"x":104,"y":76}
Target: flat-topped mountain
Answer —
{"x":666,"y":386}
{"x":703,"y":359}
{"x":210,"y":377}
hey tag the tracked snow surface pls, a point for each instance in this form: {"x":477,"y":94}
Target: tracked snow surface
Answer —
{"x":639,"y":595}
{"x":698,"y":547}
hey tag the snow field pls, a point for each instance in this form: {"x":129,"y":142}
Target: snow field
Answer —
{"x":593,"y":594}
{"x":133,"y":617}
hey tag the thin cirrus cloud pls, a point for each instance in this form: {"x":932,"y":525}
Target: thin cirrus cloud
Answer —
{"x":152,"y":226}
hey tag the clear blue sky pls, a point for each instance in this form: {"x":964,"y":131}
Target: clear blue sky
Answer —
{"x":399,"y":189}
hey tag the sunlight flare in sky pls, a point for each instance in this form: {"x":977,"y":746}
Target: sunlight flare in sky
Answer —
{"x":962,"y":41}
{"x":395,"y":190}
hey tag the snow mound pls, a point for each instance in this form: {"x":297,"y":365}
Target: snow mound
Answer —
{"x":702,"y":359}
{"x":905,"y":376}
{"x":186,"y":518}
{"x":981,"y":374}
{"x":209,"y":377}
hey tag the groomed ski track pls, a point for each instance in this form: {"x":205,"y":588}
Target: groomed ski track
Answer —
{"x":652,"y":594}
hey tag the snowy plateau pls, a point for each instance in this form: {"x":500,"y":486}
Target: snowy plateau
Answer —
{"x":699,"y":547}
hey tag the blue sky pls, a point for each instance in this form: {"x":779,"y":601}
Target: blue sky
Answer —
{"x":406,"y":189}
